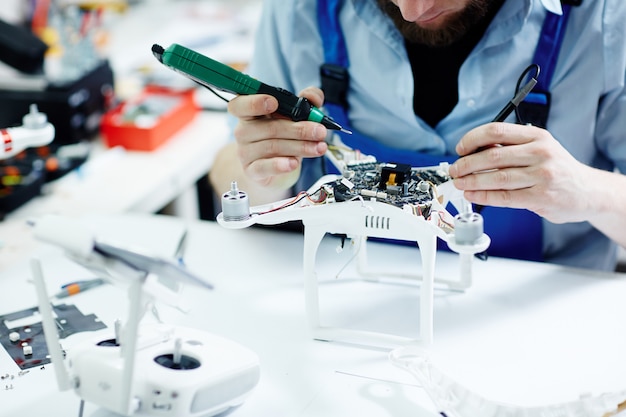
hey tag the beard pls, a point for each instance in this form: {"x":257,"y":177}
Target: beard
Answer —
{"x":452,"y":30}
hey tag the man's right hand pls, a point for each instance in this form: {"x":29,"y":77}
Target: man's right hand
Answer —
{"x":270,"y":146}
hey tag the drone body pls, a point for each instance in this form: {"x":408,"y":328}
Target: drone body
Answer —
{"x":380,"y":200}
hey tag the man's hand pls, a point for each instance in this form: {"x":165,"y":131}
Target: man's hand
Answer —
{"x":271,"y":147}
{"x":508,"y":165}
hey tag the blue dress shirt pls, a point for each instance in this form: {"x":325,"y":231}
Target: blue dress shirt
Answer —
{"x":588,"y":111}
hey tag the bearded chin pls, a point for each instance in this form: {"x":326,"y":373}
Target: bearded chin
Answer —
{"x":452,"y":30}
{"x":431,"y":37}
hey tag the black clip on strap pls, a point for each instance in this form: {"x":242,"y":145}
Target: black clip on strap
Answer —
{"x":335,"y":83}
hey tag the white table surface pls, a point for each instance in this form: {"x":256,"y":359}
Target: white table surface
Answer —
{"x":524,"y":333}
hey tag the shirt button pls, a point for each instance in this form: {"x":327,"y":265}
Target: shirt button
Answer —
{"x":471,"y":103}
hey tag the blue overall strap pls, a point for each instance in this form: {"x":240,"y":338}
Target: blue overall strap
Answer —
{"x":549,"y":46}
{"x":335,"y":82}
{"x":514,"y":233}
{"x":535,"y":108}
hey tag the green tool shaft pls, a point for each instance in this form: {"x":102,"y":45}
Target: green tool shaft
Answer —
{"x":214,"y":74}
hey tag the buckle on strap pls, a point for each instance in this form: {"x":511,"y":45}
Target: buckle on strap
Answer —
{"x":335,"y":83}
{"x":535,"y":109}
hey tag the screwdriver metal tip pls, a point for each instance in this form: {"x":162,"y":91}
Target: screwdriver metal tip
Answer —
{"x":345,"y":131}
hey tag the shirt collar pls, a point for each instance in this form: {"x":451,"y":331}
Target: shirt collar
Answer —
{"x":553,"y":6}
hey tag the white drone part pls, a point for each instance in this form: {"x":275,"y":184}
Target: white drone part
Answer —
{"x":235,"y":204}
{"x":369,"y":215}
{"x":65,"y":233}
{"x":34,"y":119}
{"x":49,"y":327}
{"x":468,"y":228}
{"x":203,"y":374}
{"x":456,"y":400}
{"x":454,"y":196}
{"x":35,"y":131}
{"x":180,"y":372}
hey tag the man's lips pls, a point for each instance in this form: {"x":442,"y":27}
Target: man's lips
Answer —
{"x":430,"y":17}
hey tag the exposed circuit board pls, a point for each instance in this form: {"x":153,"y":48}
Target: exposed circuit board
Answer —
{"x":396,"y":184}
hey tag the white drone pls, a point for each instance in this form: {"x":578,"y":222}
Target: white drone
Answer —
{"x":142,"y":369}
{"x":373,"y":199}
{"x":34,"y":131}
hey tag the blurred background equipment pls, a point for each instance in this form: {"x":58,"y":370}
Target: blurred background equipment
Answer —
{"x":55,"y":59}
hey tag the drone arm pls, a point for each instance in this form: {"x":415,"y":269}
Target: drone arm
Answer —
{"x":454,"y":196}
{"x":65,"y":233}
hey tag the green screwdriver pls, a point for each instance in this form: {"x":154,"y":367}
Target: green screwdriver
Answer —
{"x":214,"y":74}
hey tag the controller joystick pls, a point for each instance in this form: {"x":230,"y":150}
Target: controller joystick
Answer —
{"x":108,"y":343}
{"x":185,"y":362}
{"x":114,"y":342}
{"x":177,"y":360}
